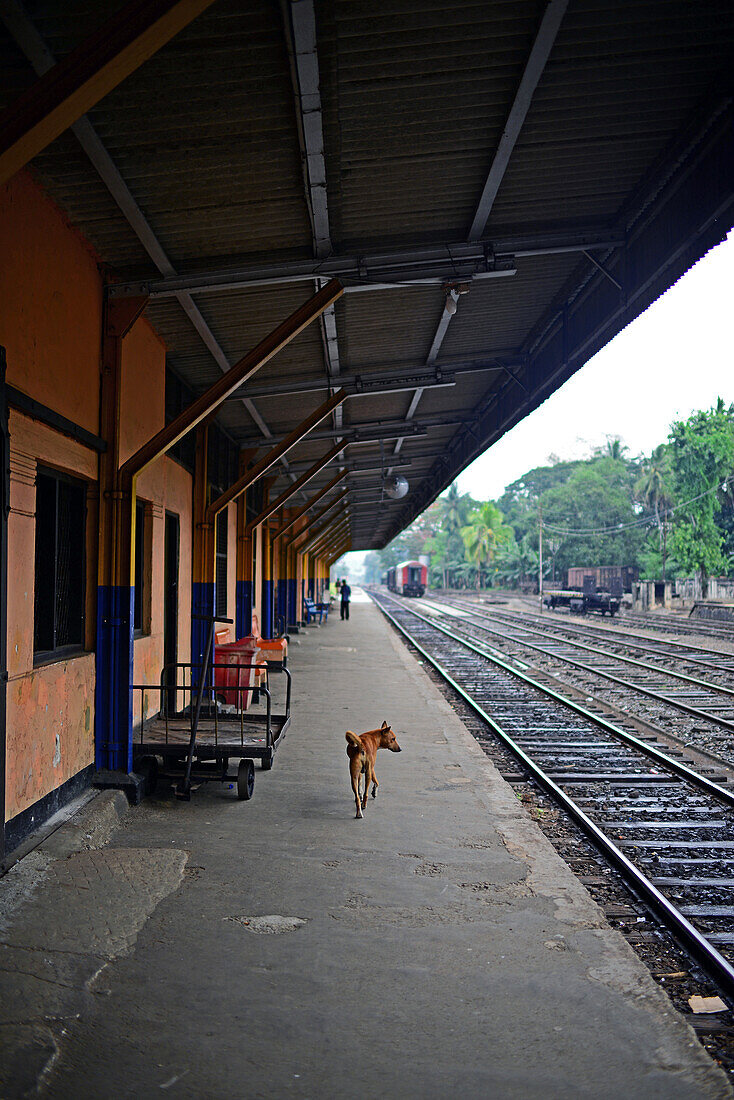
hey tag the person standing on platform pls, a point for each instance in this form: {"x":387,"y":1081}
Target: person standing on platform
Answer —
{"x":346,"y":593}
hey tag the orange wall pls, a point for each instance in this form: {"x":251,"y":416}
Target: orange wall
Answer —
{"x":50,"y":304}
{"x":50,"y":709}
{"x":51,"y":327}
{"x":165,"y":486}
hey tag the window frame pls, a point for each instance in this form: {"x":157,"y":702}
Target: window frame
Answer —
{"x":72,"y":649}
{"x":221,"y":563}
{"x":143,"y":569}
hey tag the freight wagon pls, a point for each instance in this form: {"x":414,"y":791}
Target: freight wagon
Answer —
{"x":605,"y":578}
{"x":408,"y":579}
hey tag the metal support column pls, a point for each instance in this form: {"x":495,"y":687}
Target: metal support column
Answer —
{"x":244,"y":579}
{"x":202,"y":573}
{"x":115,"y":580}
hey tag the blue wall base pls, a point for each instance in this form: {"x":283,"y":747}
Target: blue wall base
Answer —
{"x":292,"y":601}
{"x":113,"y":708}
{"x":202,"y":603}
{"x":243,"y":610}
{"x":266,"y":626}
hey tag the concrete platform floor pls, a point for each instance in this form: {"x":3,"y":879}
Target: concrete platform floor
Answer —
{"x":281,"y":948}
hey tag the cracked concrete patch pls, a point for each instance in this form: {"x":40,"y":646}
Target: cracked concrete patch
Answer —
{"x":48,"y":970}
{"x":101,"y":899}
{"x":20,"y":883}
{"x":272,"y":925}
{"x":430,"y":869}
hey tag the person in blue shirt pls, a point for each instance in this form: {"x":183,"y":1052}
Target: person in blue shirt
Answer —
{"x":346,"y":593}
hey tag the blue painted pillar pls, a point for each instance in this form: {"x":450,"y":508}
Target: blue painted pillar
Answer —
{"x":283,"y":600}
{"x":112,"y":695}
{"x":115,"y":592}
{"x":202,"y":572}
{"x":202,"y":603}
{"x":291,"y":589}
{"x":243,"y":614}
{"x":244,"y":578}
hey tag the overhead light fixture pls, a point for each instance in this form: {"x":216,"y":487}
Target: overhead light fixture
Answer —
{"x":397,"y":487}
{"x":453,"y":291}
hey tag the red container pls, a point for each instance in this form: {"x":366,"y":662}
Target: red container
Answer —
{"x":228,"y":680}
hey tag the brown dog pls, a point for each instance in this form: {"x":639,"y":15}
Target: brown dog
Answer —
{"x":362,"y":750}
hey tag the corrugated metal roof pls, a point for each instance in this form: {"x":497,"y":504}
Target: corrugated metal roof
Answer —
{"x":631,"y":111}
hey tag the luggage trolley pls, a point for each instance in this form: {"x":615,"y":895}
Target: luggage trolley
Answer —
{"x":199,"y":727}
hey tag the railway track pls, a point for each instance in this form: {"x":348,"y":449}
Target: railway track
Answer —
{"x":706,"y":629}
{"x":615,"y":632}
{"x":681,"y":694}
{"x":667,"y":828}
{"x":675,"y":623}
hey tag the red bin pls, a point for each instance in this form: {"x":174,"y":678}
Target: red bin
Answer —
{"x":227,"y":680}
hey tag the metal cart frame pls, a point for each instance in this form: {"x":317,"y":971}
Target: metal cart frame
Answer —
{"x":196,"y":743}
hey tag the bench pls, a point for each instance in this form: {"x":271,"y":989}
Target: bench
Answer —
{"x":313,"y":609}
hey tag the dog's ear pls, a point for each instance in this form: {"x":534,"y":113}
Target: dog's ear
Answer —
{"x":385,"y":726}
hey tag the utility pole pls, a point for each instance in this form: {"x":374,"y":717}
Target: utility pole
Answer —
{"x":540,"y":557}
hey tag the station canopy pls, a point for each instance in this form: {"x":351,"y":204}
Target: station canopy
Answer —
{"x":500,"y":186}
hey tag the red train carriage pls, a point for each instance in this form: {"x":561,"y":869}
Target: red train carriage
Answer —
{"x":408,"y":579}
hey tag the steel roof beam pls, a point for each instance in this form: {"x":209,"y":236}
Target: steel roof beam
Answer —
{"x":542,"y":46}
{"x":394,"y":380}
{"x":372,"y":431}
{"x":300,"y":29}
{"x":338,"y":522}
{"x":75,"y":84}
{"x":458,"y":261}
{"x":536,"y":62}
{"x":311,"y":503}
{"x":445,"y":320}
{"x":314,"y":528}
{"x":356,"y":469}
{"x":358,"y":384}
{"x":281,"y":447}
{"x":298,"y":484}
{"x":329,"y":539}
{"x":212,"y":397}
{"x":322,"y":511}
{"x":338,"y":552}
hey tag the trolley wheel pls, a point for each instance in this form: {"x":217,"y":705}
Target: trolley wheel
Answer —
{"x":245,"y":780}
{"x":147,"y":766}
{"x":267,"y":761}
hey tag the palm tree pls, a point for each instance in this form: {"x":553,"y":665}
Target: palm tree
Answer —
{"x":453,"y":519}
{"x":485,"y":533}
{"x":652,"y":490}
{"x":615,"y":448}
{"x":479,"y":539}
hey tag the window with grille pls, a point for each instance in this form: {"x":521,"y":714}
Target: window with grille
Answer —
{"x":61,"y":511}
{"x":220,"y":587}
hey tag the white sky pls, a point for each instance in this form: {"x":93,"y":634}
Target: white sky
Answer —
{"x":676,"y":357}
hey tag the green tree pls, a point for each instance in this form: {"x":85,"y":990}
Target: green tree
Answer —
{"x":702,"y":456}
{"x":596,"y":505}
{"x":485,"y":532}
{"x":653,"y":490}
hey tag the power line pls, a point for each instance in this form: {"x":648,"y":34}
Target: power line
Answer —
{"x":644,"y":521}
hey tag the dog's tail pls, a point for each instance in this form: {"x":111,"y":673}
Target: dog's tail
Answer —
{"x":354,"y":740}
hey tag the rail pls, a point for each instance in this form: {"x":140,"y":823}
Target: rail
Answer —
{"x":697,"y":944}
